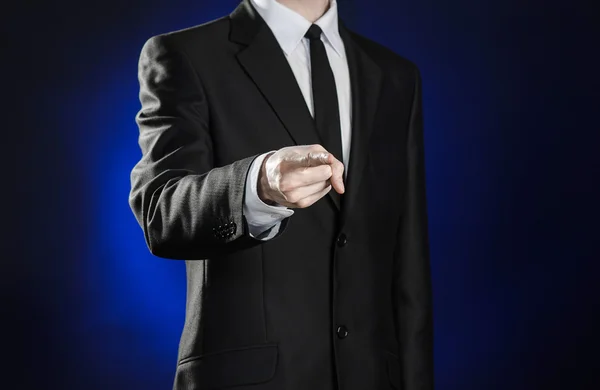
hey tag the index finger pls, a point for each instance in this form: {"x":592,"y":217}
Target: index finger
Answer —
{"x":314,"y":159}
{"x":311,"y":159}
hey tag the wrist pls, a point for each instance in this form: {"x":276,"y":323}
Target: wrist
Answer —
{"x":263,"y":184}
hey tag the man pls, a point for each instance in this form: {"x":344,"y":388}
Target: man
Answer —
{"x":283,"y":160}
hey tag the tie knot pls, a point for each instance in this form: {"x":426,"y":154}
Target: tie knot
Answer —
{"x":314,"y":32}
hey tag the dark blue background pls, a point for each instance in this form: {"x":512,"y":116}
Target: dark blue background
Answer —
{"x":512,"y":146}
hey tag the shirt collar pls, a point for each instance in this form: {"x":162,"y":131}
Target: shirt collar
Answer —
{"x":289,"y":26}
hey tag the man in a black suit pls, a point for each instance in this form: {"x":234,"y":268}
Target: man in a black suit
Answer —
{"x":283,"y":159}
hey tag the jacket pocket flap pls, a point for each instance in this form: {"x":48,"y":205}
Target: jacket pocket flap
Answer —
{"x":233,"y":367}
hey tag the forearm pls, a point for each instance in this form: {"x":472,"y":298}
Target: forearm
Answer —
{"x":194,"y":216}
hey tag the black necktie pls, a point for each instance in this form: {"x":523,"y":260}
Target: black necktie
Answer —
{"x":325,"y":98}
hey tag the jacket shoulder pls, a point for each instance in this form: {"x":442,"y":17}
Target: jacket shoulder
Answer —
{"x":214,"y":31}
{"x":385,"y":57}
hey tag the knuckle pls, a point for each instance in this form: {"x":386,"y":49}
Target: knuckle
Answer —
{"x":284,"y":186}
{"x":289,"y":161}
{"x":306,"y":159}
{"x":303,"y":203}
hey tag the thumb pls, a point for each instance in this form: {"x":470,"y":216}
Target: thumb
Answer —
{"x":337,"y":178}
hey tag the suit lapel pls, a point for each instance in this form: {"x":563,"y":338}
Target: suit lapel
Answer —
{"x":365,"y":84}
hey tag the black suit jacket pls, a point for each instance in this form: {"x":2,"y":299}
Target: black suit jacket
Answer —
{"x":341,"y":297}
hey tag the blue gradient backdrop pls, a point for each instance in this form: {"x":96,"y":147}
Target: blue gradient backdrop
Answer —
{"x":511,"y":110}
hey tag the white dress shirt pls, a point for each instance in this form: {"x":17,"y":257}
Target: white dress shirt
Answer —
{"x":289,"y":28}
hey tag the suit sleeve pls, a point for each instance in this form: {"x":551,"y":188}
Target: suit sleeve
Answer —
{"x":412,"y":290}
{"x":187,"y":208}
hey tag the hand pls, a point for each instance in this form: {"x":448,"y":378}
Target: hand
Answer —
{"x":298,"y":176}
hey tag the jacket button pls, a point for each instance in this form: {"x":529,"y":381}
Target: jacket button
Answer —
{"x":342,"y":332}
{"x":341,"y":241}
